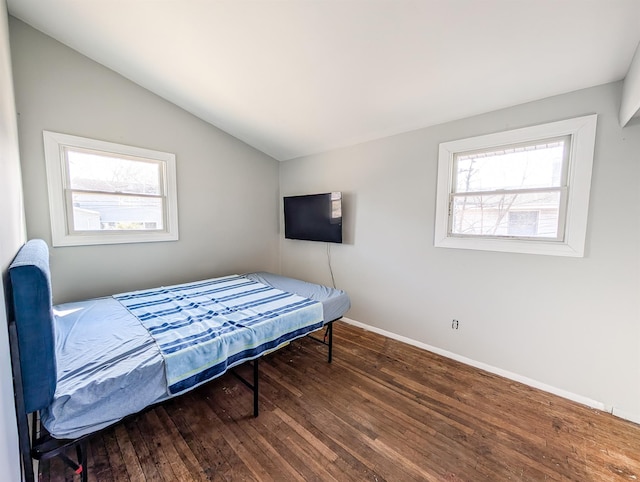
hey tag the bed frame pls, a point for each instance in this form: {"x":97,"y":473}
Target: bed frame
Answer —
{"x":34,"y":377}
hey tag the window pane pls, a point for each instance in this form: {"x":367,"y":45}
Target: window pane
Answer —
{"x":523,"y":223}
{"x":524,"y":215}
{"x":98,"y":172}
{"x":516,"y":167}
{"x":98,"y":212}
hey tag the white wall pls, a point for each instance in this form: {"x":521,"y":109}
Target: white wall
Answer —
{"x":571,"y":324}
{"x":630,"y":102}
{"x":227,"y":191}
{"x":12,"y":236}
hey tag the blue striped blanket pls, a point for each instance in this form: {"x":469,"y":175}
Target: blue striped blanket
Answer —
{"x":206,"y":327}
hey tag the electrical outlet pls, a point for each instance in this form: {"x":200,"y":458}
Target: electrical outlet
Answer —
{"x":454,"y":324}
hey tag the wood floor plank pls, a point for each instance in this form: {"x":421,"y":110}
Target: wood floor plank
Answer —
{"x":284,"y":435}
{"x":251,"y":454}
{"x":382,"y":411}
{"x":317,"y":445}
{"x":118,"y":467}
{"x":203,"y":441}
{"x":306,"y":415}
{"x":221,"y":460}
{"x":393,"y":421}
{"x":258,"y":429}
{"x":169,"y":440}
{"x":129,"y":456}
{"x":184,"y":463}
{"x":98,"y":460}
{"x":149,"y":424}
{"x":144,"y":450}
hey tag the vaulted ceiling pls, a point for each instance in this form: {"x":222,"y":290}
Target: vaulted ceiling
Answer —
{"x":297,"y":77}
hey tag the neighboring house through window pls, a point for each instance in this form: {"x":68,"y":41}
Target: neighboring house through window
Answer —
{"x":104,"y":193}
{"x":525,"y":223}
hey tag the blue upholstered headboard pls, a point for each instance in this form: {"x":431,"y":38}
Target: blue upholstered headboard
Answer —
{"x":31,"y":288}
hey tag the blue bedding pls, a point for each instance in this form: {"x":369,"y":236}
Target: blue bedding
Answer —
{"x":335,"y":302}
{"x":109,"y":366}
{"x":204,"y":328}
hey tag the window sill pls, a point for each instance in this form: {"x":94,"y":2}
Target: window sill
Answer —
{"x":552,"y":248}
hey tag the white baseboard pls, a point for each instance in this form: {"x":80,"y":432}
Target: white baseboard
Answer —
{"x":499,"y":371}
{"x":632,"y":417}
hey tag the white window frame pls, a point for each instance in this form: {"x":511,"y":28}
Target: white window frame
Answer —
{"x":62,"y":232}
{"x":571,"y":242}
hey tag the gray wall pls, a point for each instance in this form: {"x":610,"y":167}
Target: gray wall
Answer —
{"x":571,"y":324}
{"x":12,"y":236}
{"x":227,"y":191}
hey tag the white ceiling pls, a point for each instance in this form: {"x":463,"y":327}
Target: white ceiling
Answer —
{"x":296,"y":77}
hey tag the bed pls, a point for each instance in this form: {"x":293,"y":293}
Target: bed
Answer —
{"x":86,"y":365}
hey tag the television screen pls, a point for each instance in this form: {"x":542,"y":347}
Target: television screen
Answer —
{"x":314,"y":217}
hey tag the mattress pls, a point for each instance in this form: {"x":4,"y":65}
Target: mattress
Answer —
{"x":335,"y":302}
{"x":110,"y":367}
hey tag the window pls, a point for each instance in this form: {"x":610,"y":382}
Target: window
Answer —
{"x":525,"y":190}
{"x":105,"y":193}
{"x":492,"y":186}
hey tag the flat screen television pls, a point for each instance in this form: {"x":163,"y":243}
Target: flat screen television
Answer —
{"x":314,"y":217}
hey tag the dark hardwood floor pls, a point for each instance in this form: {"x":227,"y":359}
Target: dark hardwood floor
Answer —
{"x":382,"y":410}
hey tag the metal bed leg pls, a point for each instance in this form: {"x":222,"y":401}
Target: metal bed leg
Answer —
{"x":81,"y":451}
{"x":24,"y":439}
{"x":25,"y":446}
{"x":328,"y":333}
{"x":252,"y":385}
{"x":255,"y":387}
{"x":330,"y":330}
{"x":46,"y":447}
